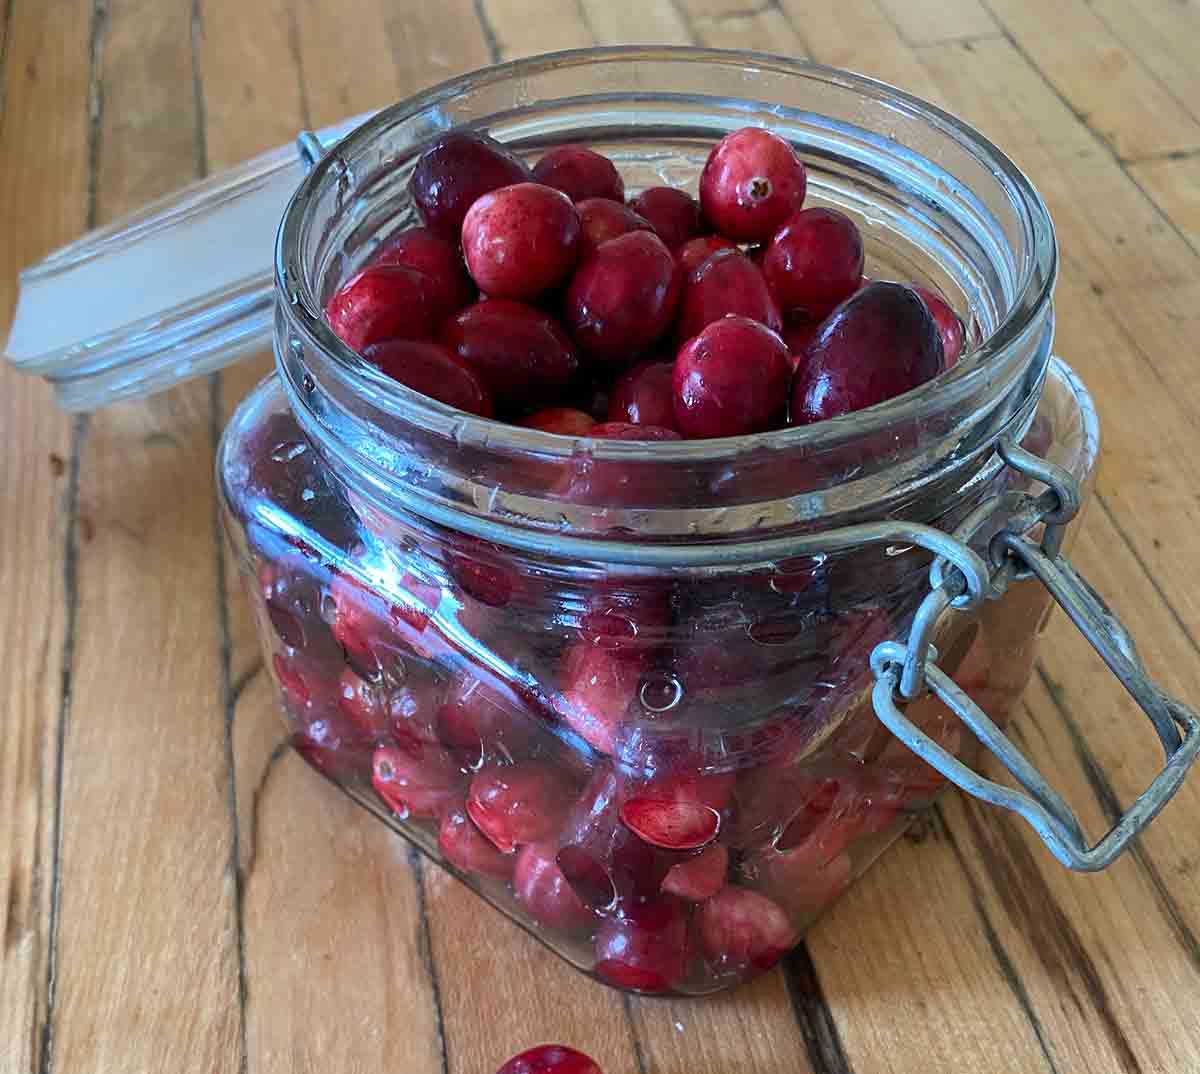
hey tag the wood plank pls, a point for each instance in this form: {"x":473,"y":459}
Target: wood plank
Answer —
{"x":767,"y":30}
{"x":927,"y":22}
{"x":519,"y":30}
{"x":624,"y":24}
{"x":1174,"y":185}
{"x":1106,"y":84}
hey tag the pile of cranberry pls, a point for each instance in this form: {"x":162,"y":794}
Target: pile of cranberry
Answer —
{"x":540,"y":296}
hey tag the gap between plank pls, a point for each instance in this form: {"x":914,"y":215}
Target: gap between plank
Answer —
{"x":823,"y":1043}
{"x":417,"y":865}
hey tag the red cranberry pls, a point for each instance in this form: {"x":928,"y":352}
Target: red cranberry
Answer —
{"x":673,"y":214}
{"x":645,"y":949}
{"x":580,"y":173}
{"x":880,"y":343}
{"x":439,"y":260}
{"x":307,"y":692}
{"x":731,"y":379}
{"x":464,"y":846}
{"x":455,"y":171}
{"x":798,"y":880}
{"x":622,"y":298}
{"x":948,"y":322}
{"x":701,"y":877}
{"x":362,"y":704}
{"x":411,"y":706}
{"x":550,"y":1059}
{"x":432,"y":371}
{"x":751,"y":183}
{"x":643,"y":396}
{"x":670,"y":823}
{"x":601,"y":220}
{"x":388,"y":302}
{"x":483,"y":573}
{"x":291,"y":595}
{"x":626,"y":617}
{"x":521,"y":803}
{"x":416,"y":780}
{"x":693,"y":253}
{"x":598,"y":687}
{"x":521,"y":353}
{"x":360,"y":621}
{"x":541,"y":888}
{"x":814,"y":262}
{"x":562,"y":420}
{"x":739,"y":927}
{"x":520,"y":241}
{"x":622,"y":430}
{"x":728,"y":282}
{"x":476,"y":717}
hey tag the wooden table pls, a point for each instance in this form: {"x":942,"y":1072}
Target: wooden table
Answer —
{"x":180,"y":893}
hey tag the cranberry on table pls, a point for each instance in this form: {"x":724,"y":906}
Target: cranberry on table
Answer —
{"x":880,"y":343}
{"x":601,"y":220}
{"x":465,"y":847}
{"x":520,"y":241}
{"x":563,"y":420}
{"x":643,"y":396}
{"x":438,"y":259}
{"x":693,"y":253}
{"x":727,"y":282}
{"x":416,"y":779}
{"x":457,"y":170}
{"x":673,"y":214}
{"x":814,"y":262}
{"x":385,"y":302}
{"x":580,"y":173}
{"x":948,"y":322}
{"x":739,"y":927}
{"x":516,"y":804}
{"x":541,"y":888}
{"x":731,"y":379}
{"x":433,"y":371}
{"x":751,"y":183}
{"x":645,"y":948}
{"x":550,"y":1059}
{"x":521,"y":354}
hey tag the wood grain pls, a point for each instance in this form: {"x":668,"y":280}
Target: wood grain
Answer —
{"x":1174,"y":185}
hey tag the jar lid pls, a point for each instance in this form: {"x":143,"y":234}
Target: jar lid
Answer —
{"x":181,"y":288}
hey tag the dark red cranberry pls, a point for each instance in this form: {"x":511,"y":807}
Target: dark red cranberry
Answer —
{"x":643,"y":396}
{"x":416,"y":779}
{"x":388,"y":302}
{"x":292,"y":598}
{"x":550,"y":1059}
{"x":814,"y":262}
{"x":478,"y":718}
{"x":516,"y":804}
{"x":701,"y":877}
{"x":693,"y":253}
{"x":626,"y":616}
{"x":622,"y":430}
{"x":541,"y":888}
{"x":751,"y":183}
{"x":673,"y":214}
{"x":520,"y":241}
{"x":622,"y":298}
{"x":598,"y":687}
{"x":521,"y":353}
{"x":645,"y":948}
{"x":880,"y":343}
{"x":580,"y":173}
{"x":464,"y":846}
{"x":562,"y":420}
{"x":455,"y":171}
{"x":439,"y":260}
{"x":731,"y":379}
{"x":728,"y":282}
{"x":948,"y":322}
{"x":601,"y":220}
{"x":433,"y":371}
{"x":671,"y":823}
{"x":483,"y":575}
{"x":739,"y":927}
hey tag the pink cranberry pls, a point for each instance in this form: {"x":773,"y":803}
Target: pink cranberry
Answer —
{"x":693,"y":253}
{"x":643,"y":396}
{"x":521,"y":803}
{"x":751,"y":183}
{"x":598,"y":687}
{"x":477,"y":718}
{"x":550,"y":1059}
{"x":464,"y":846}
{"x":948,"y":322}
{"x":645,"y":948}
{"x":728,"y":282}
{"x":601,"y":220}
{"x":439,"y":260}
{"x":671,"y":823}
{"x":673,"y":214}
{"x":739,"y":927}
{"x":520,"y":241}
{"x":814,"y":262}
{"x":622,"y":298}
{"x":731,"y":379}
{"x":457,"y":170}
{"x":521,"y":353}
{"x":416,"y":780}
{"x":880,"y":343}
{"x":580,"y":173}
{"x":701,"y":877}
{"x":432,"y":371}
{"x":388,"y":302}
{"x":562,"y":420}
{"x":541,"y":888}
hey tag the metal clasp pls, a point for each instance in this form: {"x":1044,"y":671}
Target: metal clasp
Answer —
{"x":903,"y":672}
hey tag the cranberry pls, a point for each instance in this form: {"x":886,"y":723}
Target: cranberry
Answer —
{"x":521,"y":353}
{"x":455,"y":171}
{"x":482,"y":573}
{"x":306,"y":691}
{"x":416,"y":780}
{"x":880,"y":343}
{"x":520,"y":241}
{"x":521,"y":803}
{"x":814,"y":262}
{"x":436,"y":258}
{"x":731,"y":379}
{"x":387,"y":302}
{"x":362,"y":704}
{"x":464,"y":846}
{"x":580,"y":173}
{"x":320,"y":744}
{"x":412,"y":705}
{"x":739,"y":927}
{"x":360,"y":621}
{"x":292,"y":598}
{"x":751,"y":183}
{"x":622,"y":298}
{"x":948,"y":322}
{"x":562,"y":420}
{"x":598,"y":687}
{"x":670,"y":823}
{"x":728,"y":282}
{"x":798,"y":880}
{"x":693,"y":253}
{"x":476,"y":717}
{"x":627,"y":617}
{"x":645,"y":948}
{"x":541,"y":888}
{"x":550,"y":1059}
{"x":432,"y":371}
{"x":601,"y":220}
{"x":623,"y":430}
{"x":701,"y":877}
{"x":673,"y":214}
{"x":643,"y":396}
